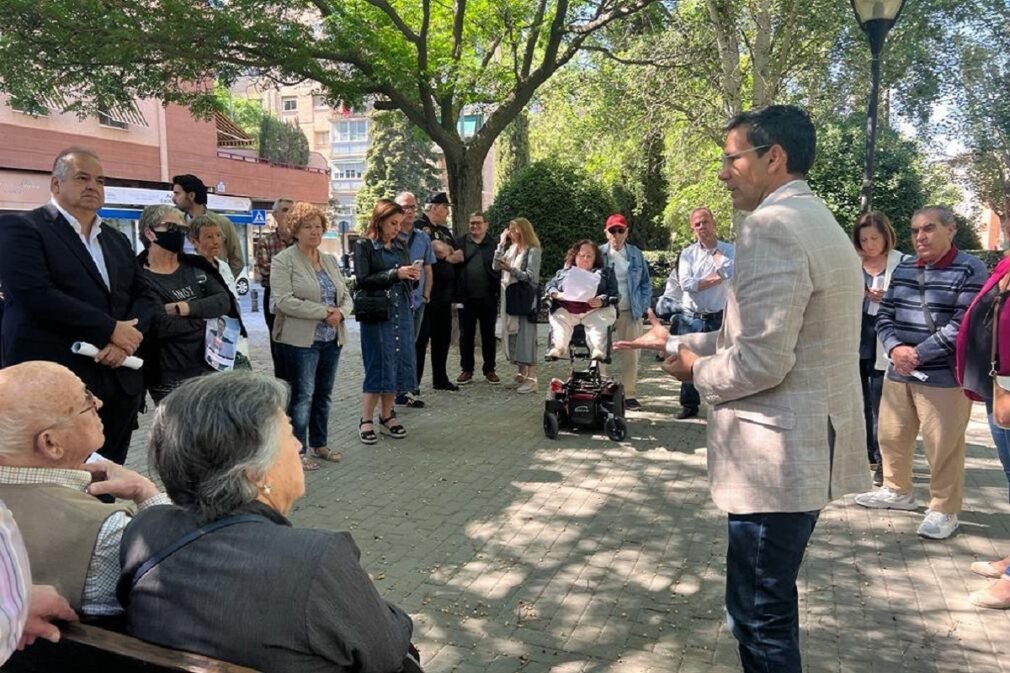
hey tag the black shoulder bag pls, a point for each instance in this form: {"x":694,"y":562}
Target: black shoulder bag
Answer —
{"x":521,"y":296}
{"x":128,"y":581}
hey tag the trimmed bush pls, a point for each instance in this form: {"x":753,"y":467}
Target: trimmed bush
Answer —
{"x":563,"y":204}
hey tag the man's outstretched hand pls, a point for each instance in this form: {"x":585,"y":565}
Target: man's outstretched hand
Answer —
{"x":655,"y":339}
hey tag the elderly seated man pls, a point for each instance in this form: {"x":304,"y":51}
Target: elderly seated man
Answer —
{"x":49,"y":427}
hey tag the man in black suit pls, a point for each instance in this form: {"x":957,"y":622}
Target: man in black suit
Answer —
{"x":67,"y":277}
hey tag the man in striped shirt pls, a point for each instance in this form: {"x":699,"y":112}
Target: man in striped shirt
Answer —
{"x":917,"y":325}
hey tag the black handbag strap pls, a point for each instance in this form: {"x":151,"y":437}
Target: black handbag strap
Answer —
{"x":129,"y":580}
{"x":922,"y":300}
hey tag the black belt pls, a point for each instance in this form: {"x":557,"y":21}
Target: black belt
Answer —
{"x":703,"y":316}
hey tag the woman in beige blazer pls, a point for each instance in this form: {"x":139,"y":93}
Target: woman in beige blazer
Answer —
{"x":312,"y":302}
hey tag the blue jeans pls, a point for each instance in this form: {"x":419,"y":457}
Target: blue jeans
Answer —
{"x":310,"y":373}
{"x":872,"y":381}
{"x":689,"y":324}
{"x":762,"y":561}
{"x":1002,"y":439}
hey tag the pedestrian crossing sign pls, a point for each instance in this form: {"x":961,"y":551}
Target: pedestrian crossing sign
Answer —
{"x":259,"y":217}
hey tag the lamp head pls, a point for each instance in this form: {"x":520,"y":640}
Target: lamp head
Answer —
{"x":873,"y":10}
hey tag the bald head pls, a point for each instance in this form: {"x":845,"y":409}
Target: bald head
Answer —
{"x":45,"y":405}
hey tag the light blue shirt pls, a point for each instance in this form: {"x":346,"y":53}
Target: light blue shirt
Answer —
{"x":91,"y":243}
{"x":419,"y":248}
{"x":696,"y":263}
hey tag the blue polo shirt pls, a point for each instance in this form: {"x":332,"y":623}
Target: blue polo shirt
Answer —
{"x":419,"y":247}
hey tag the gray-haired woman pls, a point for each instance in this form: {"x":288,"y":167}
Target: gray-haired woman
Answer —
{"x":226,"y":454}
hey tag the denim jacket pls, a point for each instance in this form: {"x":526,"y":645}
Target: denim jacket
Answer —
{"x":639,"y":283}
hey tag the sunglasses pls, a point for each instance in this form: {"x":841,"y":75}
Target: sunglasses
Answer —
{"x":617,"y":230}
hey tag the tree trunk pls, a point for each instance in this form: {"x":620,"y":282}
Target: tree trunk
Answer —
{"x":512,"y":149}
{"x":466,"y":186}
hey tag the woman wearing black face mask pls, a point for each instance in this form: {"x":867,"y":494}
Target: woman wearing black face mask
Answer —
{"x":192,"y":292}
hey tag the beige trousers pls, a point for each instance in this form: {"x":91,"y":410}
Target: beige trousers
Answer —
{"x":942,"y":414}
{"x":626,"y":362}
{"x":596,"y":323}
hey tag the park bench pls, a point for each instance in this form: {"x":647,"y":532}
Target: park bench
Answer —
{"x":87,"y":648}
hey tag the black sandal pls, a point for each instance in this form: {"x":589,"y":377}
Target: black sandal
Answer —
{"x":395,"y":431}
{"x":367,"y":436}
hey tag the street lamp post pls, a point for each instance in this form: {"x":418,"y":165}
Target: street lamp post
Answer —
{"x":876,"y":18}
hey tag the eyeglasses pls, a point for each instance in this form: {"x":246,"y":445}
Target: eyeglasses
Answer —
{"x":478,"y":222}
{"x":728,"y":159}
{"x":617,"y":230}
{"x":92,"y":405}
{"x":409,"y":207}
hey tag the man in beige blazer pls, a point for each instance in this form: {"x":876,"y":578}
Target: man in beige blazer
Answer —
{"x":785,"y":426}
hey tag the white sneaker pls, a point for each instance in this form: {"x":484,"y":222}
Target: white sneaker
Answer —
{"x":937,"y":525}
{"x":527,"y":386}
{"x":556,"y":353}
{"x":885,"y":498}
{"x":598,"y":355}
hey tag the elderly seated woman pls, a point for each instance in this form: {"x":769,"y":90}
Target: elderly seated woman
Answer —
{"x":223,"y":572}
{"x":594,"y":312}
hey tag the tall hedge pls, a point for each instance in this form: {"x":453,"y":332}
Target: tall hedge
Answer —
{"x":563,"y":204}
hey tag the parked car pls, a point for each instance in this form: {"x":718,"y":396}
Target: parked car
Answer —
{"x":242,"y":282}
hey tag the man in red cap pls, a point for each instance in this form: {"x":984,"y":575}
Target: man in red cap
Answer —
{"x":635,"y":289}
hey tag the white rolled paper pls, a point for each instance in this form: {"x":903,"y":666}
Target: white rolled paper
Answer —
{"x":88,"y":350}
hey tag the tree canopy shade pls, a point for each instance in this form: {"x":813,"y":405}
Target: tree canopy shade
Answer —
{"x":431,"y":60}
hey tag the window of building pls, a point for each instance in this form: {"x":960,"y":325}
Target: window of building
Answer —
{"x":106,"y":120}
{"x":321,"y":139}
{"x":348,"y":170}
{"x":318,"y":101}
{"x":289,"y":104}
{"x":347,"y":130}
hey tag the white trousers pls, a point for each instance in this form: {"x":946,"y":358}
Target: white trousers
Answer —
{"x":596,"y":323}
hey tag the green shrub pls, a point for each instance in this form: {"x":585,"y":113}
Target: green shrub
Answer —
{"x":563,"y":204}
{"x":989,"y":257}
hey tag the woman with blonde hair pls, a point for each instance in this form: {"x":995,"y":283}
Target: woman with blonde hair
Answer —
{"x":518,"y":258}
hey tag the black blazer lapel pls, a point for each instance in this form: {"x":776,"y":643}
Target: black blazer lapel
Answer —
{"x":66,"y":233}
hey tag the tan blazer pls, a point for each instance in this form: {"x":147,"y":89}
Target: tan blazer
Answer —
{"x":785,"y":430}
{"x":297,"y":297}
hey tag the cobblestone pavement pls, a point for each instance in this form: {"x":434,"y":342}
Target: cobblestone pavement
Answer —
{"x":516,"y":553}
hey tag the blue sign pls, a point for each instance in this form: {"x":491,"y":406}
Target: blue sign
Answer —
{"x":259,"y":217}
{"x":344,"y":226}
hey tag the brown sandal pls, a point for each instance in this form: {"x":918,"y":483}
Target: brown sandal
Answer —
{"x":308,"y":464}
{"x":325,"y":453}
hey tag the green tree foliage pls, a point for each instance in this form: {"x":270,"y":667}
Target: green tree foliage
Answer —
{"x":247,"y":114}
{"x":399,"y":158}
{"x":282,"y":143}
{"x":512,"y":149}
{"x":431,"y":60}
{"x":903,"y":182}
{"x":563,"y":204}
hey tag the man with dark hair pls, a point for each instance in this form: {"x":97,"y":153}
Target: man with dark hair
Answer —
{"x":478,"y":287}
{"x":436,"y":323}
{"x":190,"y":196}
{"x":785,"y":431}
{"x":69,"y":277}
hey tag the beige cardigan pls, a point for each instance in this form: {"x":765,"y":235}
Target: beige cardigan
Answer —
{"x":296,"y":294}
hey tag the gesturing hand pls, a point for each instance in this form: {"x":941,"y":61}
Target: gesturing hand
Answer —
{"x":655,"y":339}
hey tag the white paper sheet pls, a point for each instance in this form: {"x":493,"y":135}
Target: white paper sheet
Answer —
{"x":580,"y":285}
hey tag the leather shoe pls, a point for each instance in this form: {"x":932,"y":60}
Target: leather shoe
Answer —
{"x":687,"y":412}
{"x":448,"y":385}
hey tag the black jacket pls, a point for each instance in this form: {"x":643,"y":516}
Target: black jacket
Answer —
{"x":370,"y":271}
{"x":443,"y":286}
{"x":55,"y":296}
{"x":485,"y":249}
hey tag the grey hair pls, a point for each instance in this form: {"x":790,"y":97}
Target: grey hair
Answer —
{"x":61,"y":165}
{"x":279,"y":201}
{"x":399,"y":197}
{"x":199,"y":223}
{"x":945,"y":214}
{"x":214,"y":437}
{"x":152,"y":215}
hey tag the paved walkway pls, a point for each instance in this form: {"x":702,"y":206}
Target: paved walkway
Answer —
{"x":515,"y":553}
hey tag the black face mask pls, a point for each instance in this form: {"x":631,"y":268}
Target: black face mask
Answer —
{"x":170,"y":240}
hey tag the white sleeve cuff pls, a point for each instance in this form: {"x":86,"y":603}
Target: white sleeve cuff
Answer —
{"x":672,"y":345}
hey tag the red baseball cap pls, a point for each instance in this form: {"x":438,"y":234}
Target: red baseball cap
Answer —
{"x":615,"y":220}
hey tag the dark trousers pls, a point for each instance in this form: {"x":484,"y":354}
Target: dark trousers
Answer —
{"x":483,"y":312}
{"x":436,"y":326}
{"x":872,"y":381}
{"x":689,"y":324}
{"x":119,"y":417}
{"x":312,"y":371}
{"x":762,"y":562}
{"x":275,"y":353}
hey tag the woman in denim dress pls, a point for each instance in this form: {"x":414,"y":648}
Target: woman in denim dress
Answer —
{"x":382,"y":267}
